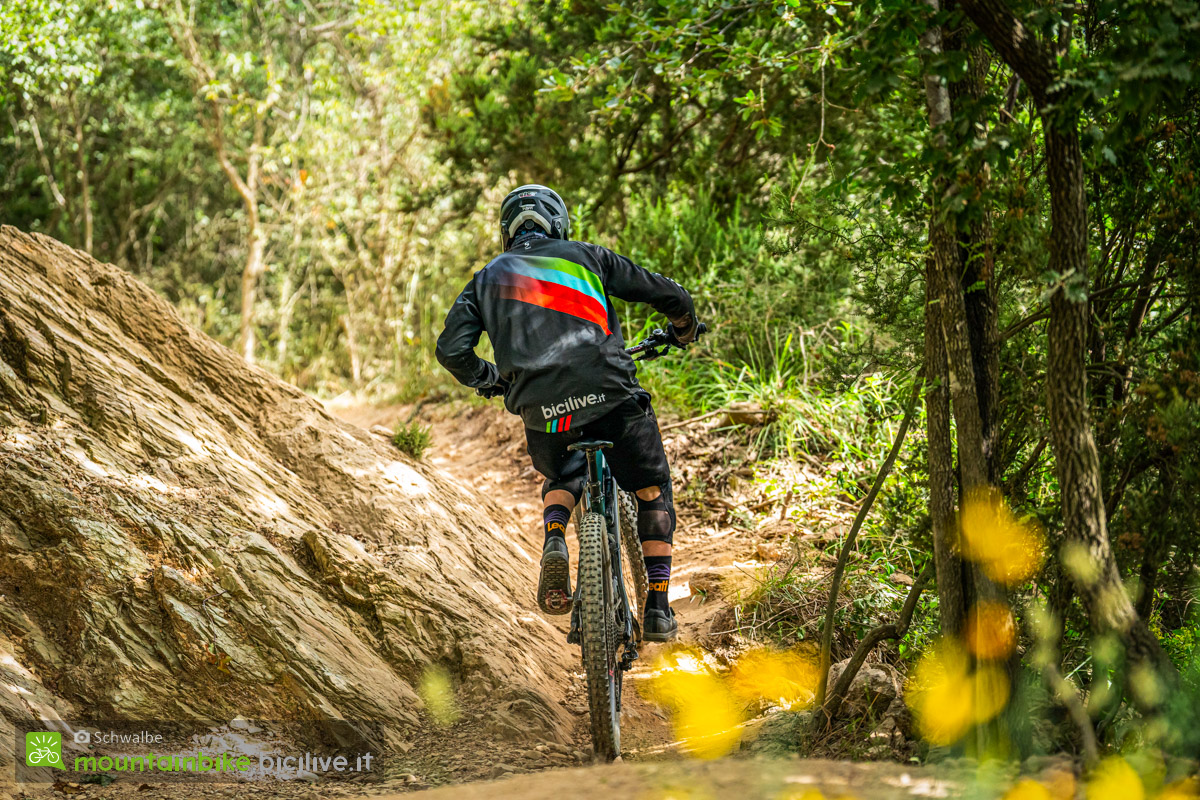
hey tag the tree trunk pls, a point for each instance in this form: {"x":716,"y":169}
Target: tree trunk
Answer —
{"x":1078,"y":461}
{"x":1087,"y":552}
{"x":972,"y":462}
{"x":952,"y":599}
{"x":352,"y":347}
{"x":287,"y":298}
{"x":951,"y":572}
{"x":978,"y":281}
{"x":948,"y":267}
{"x":287,"y":303}
{"x":250,"y":275}
{"x":946,"y":283}
{"x":960,"y":360}
{"x":85,"y":187}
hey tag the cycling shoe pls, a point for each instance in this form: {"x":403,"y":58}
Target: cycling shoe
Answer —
{"x":554,"y":585}
{"x":659,"y":626}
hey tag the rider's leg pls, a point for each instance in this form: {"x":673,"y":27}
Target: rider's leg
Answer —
{"x":565,"y":473}
{"x":556,"y":512}
{"x":656,"y":529}
{"x":639,"y":462}
{"x":558,"y":499}
{"x":652,"y":547}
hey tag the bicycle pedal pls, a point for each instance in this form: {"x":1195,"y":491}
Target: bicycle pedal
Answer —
{"x":628,"y":657}
{"x":557,"y":602}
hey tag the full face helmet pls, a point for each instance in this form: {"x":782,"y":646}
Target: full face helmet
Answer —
{"x":533,"y":206}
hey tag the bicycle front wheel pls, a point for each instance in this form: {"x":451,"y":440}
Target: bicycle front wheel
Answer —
{"x":597,"y":617}
{"x":635,"y":565}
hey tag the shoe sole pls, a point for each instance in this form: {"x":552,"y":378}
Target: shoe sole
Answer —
{"x":554,"y":585}
{"x":669,"y":636}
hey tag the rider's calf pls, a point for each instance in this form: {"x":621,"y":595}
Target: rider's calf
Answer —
{"x":656,"y":514}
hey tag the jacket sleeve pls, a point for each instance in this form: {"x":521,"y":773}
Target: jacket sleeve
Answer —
{"x":456,"y":345}
{"x":626,"y":280}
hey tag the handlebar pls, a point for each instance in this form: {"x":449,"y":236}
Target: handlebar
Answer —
{"x":656,"y":345}
{"x":660,"y":342}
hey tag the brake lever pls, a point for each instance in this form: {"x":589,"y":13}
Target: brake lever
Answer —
{"x":651,"y":354}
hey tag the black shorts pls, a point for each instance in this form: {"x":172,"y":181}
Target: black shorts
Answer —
{"x":637,"y":458}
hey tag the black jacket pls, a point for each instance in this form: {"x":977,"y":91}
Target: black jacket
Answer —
{"x":557,"y":340}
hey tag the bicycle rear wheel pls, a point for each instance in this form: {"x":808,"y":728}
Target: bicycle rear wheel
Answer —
{"x":600,"y":636}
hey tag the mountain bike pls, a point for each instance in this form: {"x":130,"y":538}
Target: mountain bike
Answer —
{"x":604,"y":607}
{"x":604,"y":616}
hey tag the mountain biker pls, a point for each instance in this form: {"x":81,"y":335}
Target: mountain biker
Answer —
{"x":562,"y":367}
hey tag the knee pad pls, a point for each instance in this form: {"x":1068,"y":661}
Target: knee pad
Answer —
{"x":656,"y":518}
{"x":572,"y":485}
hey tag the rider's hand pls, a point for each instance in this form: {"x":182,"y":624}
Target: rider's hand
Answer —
{"x":497,"y":389}
{"x":684,"y":330}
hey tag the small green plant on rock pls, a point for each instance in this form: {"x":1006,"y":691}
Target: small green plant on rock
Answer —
{"x":413,"y":439}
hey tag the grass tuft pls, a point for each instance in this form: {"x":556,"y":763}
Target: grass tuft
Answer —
{"x":413,"y":439}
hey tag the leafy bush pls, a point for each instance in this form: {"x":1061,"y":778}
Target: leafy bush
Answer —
{"x":413,"y":439}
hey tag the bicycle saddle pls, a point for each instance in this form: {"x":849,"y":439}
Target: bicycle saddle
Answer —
{"x":589,"y":445}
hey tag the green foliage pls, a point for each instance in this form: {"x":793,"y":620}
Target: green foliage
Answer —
{"x":413,"y":439}
{"x":786,"y":605}
{"x":114,"y":114}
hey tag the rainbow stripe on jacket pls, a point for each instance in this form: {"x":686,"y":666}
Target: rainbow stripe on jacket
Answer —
{"x":553,"y":283}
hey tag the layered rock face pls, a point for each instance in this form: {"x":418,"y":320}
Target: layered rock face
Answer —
{"x":184,"y":536}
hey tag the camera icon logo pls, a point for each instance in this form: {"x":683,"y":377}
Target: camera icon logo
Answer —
{"x":83,"y":737}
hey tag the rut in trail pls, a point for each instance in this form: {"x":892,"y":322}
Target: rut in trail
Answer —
{"x":144,"y":468}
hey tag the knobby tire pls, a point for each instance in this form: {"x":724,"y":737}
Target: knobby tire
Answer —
{"x":600,"y":637}
{"x":636,"y":584}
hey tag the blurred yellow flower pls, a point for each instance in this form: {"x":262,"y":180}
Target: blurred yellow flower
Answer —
{"x":438,"y":693}
{"x":807,"y":793}
{"x":787,"y":679}
{"x":947,"y":698}
{"x":991,"y":630}
{"x":1029,"y":789}
{"x":1187,"y":789}
{"x":705,"y":716}
{"x":1114,"y":779}
{"x":939,"y":693}
{"x":1008,"y":550}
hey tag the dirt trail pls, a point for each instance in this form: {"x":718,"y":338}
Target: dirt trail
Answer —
{"x":744,"y":779}
{"x":483,"y":448}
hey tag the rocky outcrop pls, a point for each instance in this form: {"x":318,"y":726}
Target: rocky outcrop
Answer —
{"x":183,"y":536}
{"x":872,"y":691}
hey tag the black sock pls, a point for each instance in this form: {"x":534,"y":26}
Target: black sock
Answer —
{"x":554,"y":518}
{"x":658,"y":574}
